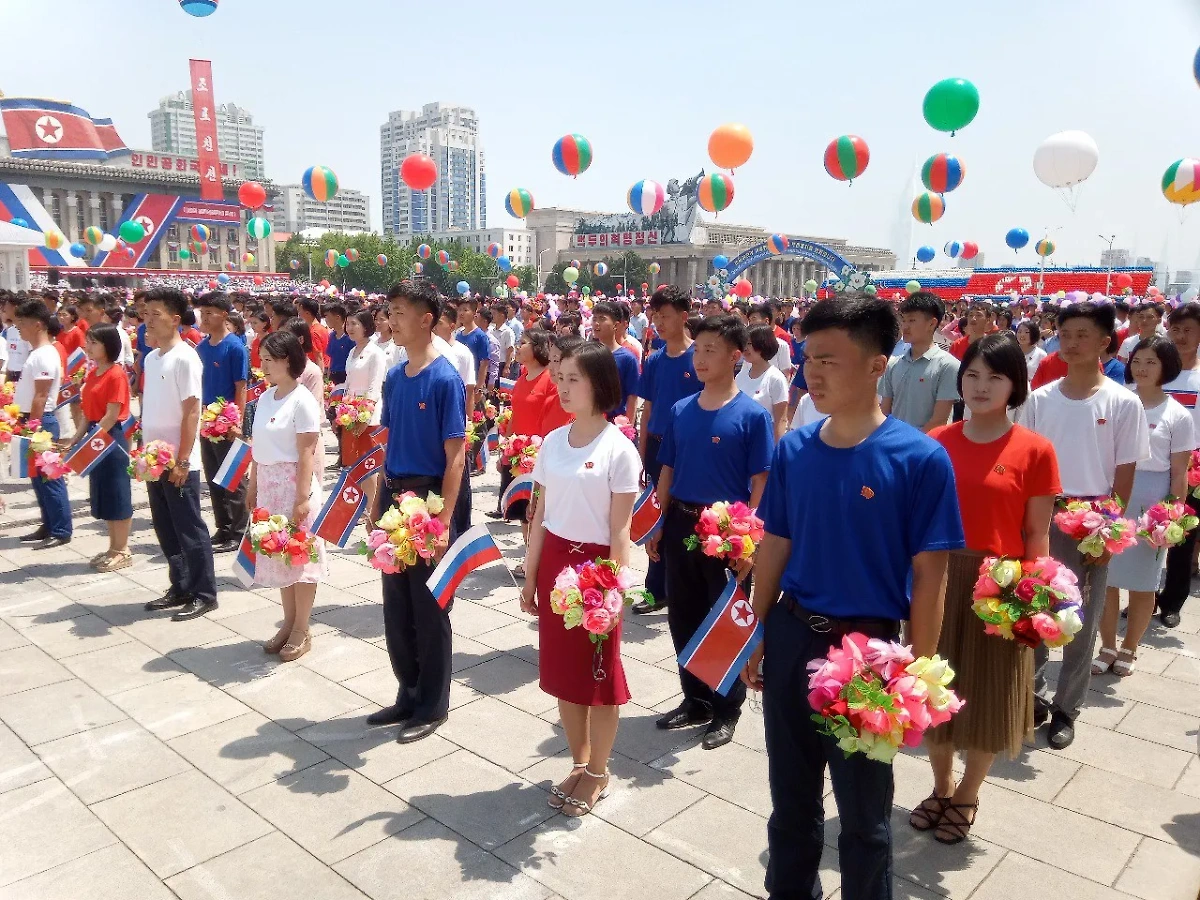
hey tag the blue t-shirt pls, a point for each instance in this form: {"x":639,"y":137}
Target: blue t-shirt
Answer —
{"x":658,"y":343}
{"x":798,"y":380}
{"x":476,"y":342}
{"x":713,"y":454}
{"x":797,"y":352}
{"x":857,"y":516}
{"x":1115,"y":369}
{"x":627,"y":369}
{"x":224,"y":364}
{"x":337,"y":351}
{"x":665,"y":381}
{"x":421,"y":413}
{"x":143,"y":349}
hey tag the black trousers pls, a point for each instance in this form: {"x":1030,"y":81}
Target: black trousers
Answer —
{"x":797,"y":756}
{"x":1178,"y":583}
{"x":462,"y":508}
{"x":694,"y":582}
{"x":656,"y":572}
{"x":229,"y":507}
{"x":417,"y":630}
{"x":183,"y":536}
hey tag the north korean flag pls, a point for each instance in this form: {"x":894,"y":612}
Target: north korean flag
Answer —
{"x":339,"y":515}
{"x":647,"y":516}
{"x":89,"y":452}
{"x":256,"y":389}
{"x":69,"y":393}
{"x":1187,"y":398}
{"x":47,"y":129}
{"x":719,"y":649}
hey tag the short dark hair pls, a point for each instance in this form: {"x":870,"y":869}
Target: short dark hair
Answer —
{"x":692,"y":323}
{"x":1002,"y":354}
{"x":728,"y":328}
{"x":607,"y":309}
{"x":172,"y":300}
{"x":464,"y":300}
{"x":600,"y":369}
{"x":869,"y":321}
{"x":312,"y":306}
{"x":85,"y":300}
{"x":366,"y":319}
{"x":37,"y":310}
{"x":565,"y":343}
{"x":500,"y":308}
{"x":539,"y":342}
{"x":336,"y":309}
{"x":1156,"y":308}
{"x":108,"y":337}
{"x":284,"y":344}
{"x":115,"y":314}
{"x":1167,"y":354}
{"x":1035,"y":333}
{"x":285,"y":309}
{"x":418,"y":293}
{"x":923,"y":302}
{"x":302,"y":331}
{"x":762,"y":339}
{"x":1189,"y":310}
{"x":570,"y":320}
{"x":1102,"y":314}
{"x":484,"y":313}
{"x":188,"y":319}
{"x":449,"y":311}
{"x":215,"y":300}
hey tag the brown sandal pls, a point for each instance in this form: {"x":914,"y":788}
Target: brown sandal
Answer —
{"x":275,"y":644}
{"x":959,"y":830}
{"x":928,"y":815}
{"x":292,"y":651}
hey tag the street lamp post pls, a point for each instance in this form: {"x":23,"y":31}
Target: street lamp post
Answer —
{"x":1108,"y":278}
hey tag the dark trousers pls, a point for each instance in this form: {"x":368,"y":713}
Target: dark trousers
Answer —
{"x":462,"y":507}
{"x":51,"y":494}
{"x":336,"y":378}
{"x":656,"y":572}
{"x":797,"y":756}
{"x":229,"y":507}
{"x":1178,"y":583}
{"x":694,"y":582}
{"x":183,"y":536}
{"x":419,"y":641}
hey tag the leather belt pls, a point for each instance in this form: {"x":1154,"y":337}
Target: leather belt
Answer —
{"x":690,"y":509}
{"x":414,"y":483}
{"x":820,"y":624}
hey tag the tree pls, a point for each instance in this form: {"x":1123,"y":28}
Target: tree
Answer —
{"x":528,"y":277}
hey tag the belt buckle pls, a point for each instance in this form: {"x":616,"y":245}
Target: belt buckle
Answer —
{"x":819,"y":624}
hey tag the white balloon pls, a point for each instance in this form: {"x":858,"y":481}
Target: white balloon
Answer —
{"x":1066,"y":159}
{"x":108,"y":242}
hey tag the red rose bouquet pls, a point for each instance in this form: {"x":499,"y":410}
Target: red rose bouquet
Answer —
{"x":728,"y":530}
{"x":275,"y":537}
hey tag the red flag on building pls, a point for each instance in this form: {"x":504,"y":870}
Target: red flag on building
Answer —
{"x":204,"y":111}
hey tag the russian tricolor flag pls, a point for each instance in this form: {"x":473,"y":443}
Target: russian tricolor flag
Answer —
{"x":481,"y":456}
{"x":237,"y":463}
{"x":18,"y":458}
{"x":243,"y":565}
{"x":89,"y":452}
{"x":506,"y":385}
{"x":76,"y":363}
{"x":719,"y":649}
{"x":337,"y":395}
{"x":492,"y":441}
{"x":128,"y":427}
{"x":520,"y":489}
{"x":474,"y":549}
{"x":647,"y":516}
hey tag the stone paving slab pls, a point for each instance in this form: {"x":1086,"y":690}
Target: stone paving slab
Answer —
{"x":146,"y":758}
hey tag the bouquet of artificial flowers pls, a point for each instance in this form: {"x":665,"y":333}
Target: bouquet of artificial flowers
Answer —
{"x":218,"y":419}
{"x":592,"y":595}
{"x":149,"y":463}
{"x":354,"y":412}
{"x":1031,"y":602}
{"x":10,"y":422}
{"x":519,"y":453}
{"x":274,"y":537}
{"x":405,"y":533}
{"x":626,"y":427}
{"x":1098,"y":525}
{"x":728,"y":530}
{"x":45,"y":461}
{"x":1193,"y":473}
{"x":1166,"y":523}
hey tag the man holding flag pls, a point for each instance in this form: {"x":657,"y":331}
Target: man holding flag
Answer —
{"x":424,"y":410}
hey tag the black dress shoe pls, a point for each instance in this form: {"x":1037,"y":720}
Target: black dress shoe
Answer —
{"x":220,"y":537}
{"x":389,"y":715}
{"x":334,"y":467}
{"x":494,"y":514}
{"x":1169,"y":619}
{"x":718,"y":734}
{"x":226,"y":546}
{"x":35,"y":537}
{"x":1040,"y":714}
{"x":1062,"y":731}
{"x":686,"y":715}
{"x":415,"y":731}
{"x":642,"y":607}
{"x":166,"y":601}
{"x":193,"y":609}
{"x":51,"y":542}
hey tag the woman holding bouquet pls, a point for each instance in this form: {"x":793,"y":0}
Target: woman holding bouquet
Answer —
{"x":366,"y":368}
{"x":1007,"y":480}
{"x":1154,"y":362}
{"x":105,"y":402}
{"x":283,"y":482}
{"x":588,"y":476}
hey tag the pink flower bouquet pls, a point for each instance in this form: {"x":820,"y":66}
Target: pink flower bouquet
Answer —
{"x":1098,"y":525}
{"x":1166,"y":524}
{"x":1030,"y":602}
{"x":274,"y":537}
{"x":519,"y":453}
{"x":10,"y":422}
{"x":218,"y":419}
{"x":354,"y":412}
{"x":728,"y":530}
{"x":149,"y":463}
{"x":592,"y":595}
{"x":874,"y":696}
{"x":1193,"y":473}
{"x":45,"y":461}
{"x":407,"y":532}
{"x":626,"y":427}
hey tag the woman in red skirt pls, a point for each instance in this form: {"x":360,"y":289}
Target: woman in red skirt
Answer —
{"x":587,"y":476}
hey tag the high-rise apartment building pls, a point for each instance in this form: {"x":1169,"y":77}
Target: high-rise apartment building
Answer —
{"x":457,"y":201}
{"x":349,"y":211}
{"x":173,"y":130}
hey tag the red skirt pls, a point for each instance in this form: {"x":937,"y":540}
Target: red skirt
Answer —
{"x":565,"y":656}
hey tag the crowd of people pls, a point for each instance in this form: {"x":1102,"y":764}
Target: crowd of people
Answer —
{"x":888,"y":448}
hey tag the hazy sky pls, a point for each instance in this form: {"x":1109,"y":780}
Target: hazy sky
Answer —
{"x":647,"y":82}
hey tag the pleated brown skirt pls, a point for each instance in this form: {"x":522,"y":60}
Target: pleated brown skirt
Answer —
{"x":993,"y":675}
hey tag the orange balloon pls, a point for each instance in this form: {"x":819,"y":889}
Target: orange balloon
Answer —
{"x":730,"y":146}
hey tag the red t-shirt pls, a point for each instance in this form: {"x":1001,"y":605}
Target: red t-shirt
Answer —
{"x":71,"y":339}
{"x":101,"y":390}
{"x":255,"y":359}
{"x":193,"y":336}
{"x":783,"y":335}
{"x":320,"y":339}
{"x":1049,"y":369}
{"x":995,"y":481}
{"x":531,"y":402}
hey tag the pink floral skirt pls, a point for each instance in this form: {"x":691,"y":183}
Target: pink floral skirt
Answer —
{"x":277,"y":494}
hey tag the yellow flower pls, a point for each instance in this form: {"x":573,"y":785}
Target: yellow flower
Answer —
{"x":40,"y":441}
{"x":13,"y":410}
{"x":399,"y":536}
{"x":934,"y":671}
{"x":435,"y":504}
{"x":390,"y":520}
{"x":1006,"y":572}
{"x":410,"y":505}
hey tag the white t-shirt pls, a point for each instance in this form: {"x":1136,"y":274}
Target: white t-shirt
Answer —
{"x":1186,"y":390}
{"x":1127,"y":346}
{"x":782,"y":360}
{"x":504,"y":337}
{"x":580,"y":482}
{"x":460,"y":355}
{"x":16,"y":347}
{"x":171,"y":379}
{"x":40,"y":364}
{"x":1171,"y":431}
{"x":365,"y":372}
{"x":769,"y":388}
{"x":806,"y":413}
{"x":1033,"y":359}
{"x":277,"y":422}
{"x":1090,"y":437}
{"x":392,"y":354}
{"x":126,"y":348}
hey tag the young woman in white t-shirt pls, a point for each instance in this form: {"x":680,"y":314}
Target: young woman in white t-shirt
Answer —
{"x":366,"y":368}
{"x":1154,"y":362}
{"x":283,"y":481}
{"x":587,"y":474}
{"x":1030,"y":338}
{"x":762,"y":381}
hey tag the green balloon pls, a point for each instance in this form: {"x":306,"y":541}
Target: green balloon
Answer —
{"x":185,"y":254}
{"x":810,"y":285}
{"x":132,"y":232}
{"x":951,"y":104}
{"x":343,"y":260}
{"x":870,"y":290}
{"x":913,"y":286}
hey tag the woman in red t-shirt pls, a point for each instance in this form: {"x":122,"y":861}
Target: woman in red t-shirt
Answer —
{"x":1007,"y":480}
{"x":105,"y":403}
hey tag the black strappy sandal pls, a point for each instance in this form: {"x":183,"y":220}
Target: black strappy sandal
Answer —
{"x":928,"y":815}
{"x":958,"y":830}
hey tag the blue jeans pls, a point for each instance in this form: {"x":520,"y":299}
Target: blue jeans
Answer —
{"x":183,"y":536}
{"x":52,"y":494}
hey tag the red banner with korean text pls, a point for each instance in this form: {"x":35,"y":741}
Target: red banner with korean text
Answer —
{"x":204,"y":110}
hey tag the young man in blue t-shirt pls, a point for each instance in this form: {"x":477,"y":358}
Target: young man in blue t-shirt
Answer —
{"x":716,"y":446}
{"x":474,"y":338}
{"x":337,"y":350}
{"x":605,"y":316}
{"x":667,"y":378}
{"x":226,"y":364}
{"x":860,"y":512}
{"x":424,"y":410}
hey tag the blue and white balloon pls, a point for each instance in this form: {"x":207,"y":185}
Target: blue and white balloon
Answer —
{"x":953,"y":249}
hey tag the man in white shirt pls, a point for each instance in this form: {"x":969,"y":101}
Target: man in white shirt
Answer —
{"x":638,"y":322}
{"x":1147,"y":320}
{"x":171,"y":413}
{"x":445,"y":344}
{"x":1100,"y":433}
{"x":504,"y":337}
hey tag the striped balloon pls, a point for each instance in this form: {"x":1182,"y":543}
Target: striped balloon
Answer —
{"x":320,"y":183}
{"x":200,"y":248}
{"x":382,"y":260}
{"x":424,"y":251}
{"x":953,"y":249}
{"x":494,"y":250}
{"x":452,"y":265}
{"x":942,"y":173}
{"x":352,"y":254}
{"x":846,"y":157}
{"x":331,"y":257}
{"x":258,"y":228}
{"x":418,"y":268}
{"x":199,"y":232}
{"x":248,"y":258}
{"x":716,"y":192}
{"x":777,"y":244}
{"x":93,"y":235}
{"x":295,"y":263}
{"x":519,"y":203}
{"x":54,"y":239}
{"x":646,"y":198}
{"x":1044,"y":247}
{"x":600,"y":269}
{"x":655,"y":268}
{"x":928,"y":208}
{"x":1181,"y":181}
{"x":572,"y":155}
{"x":443,"y":258}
